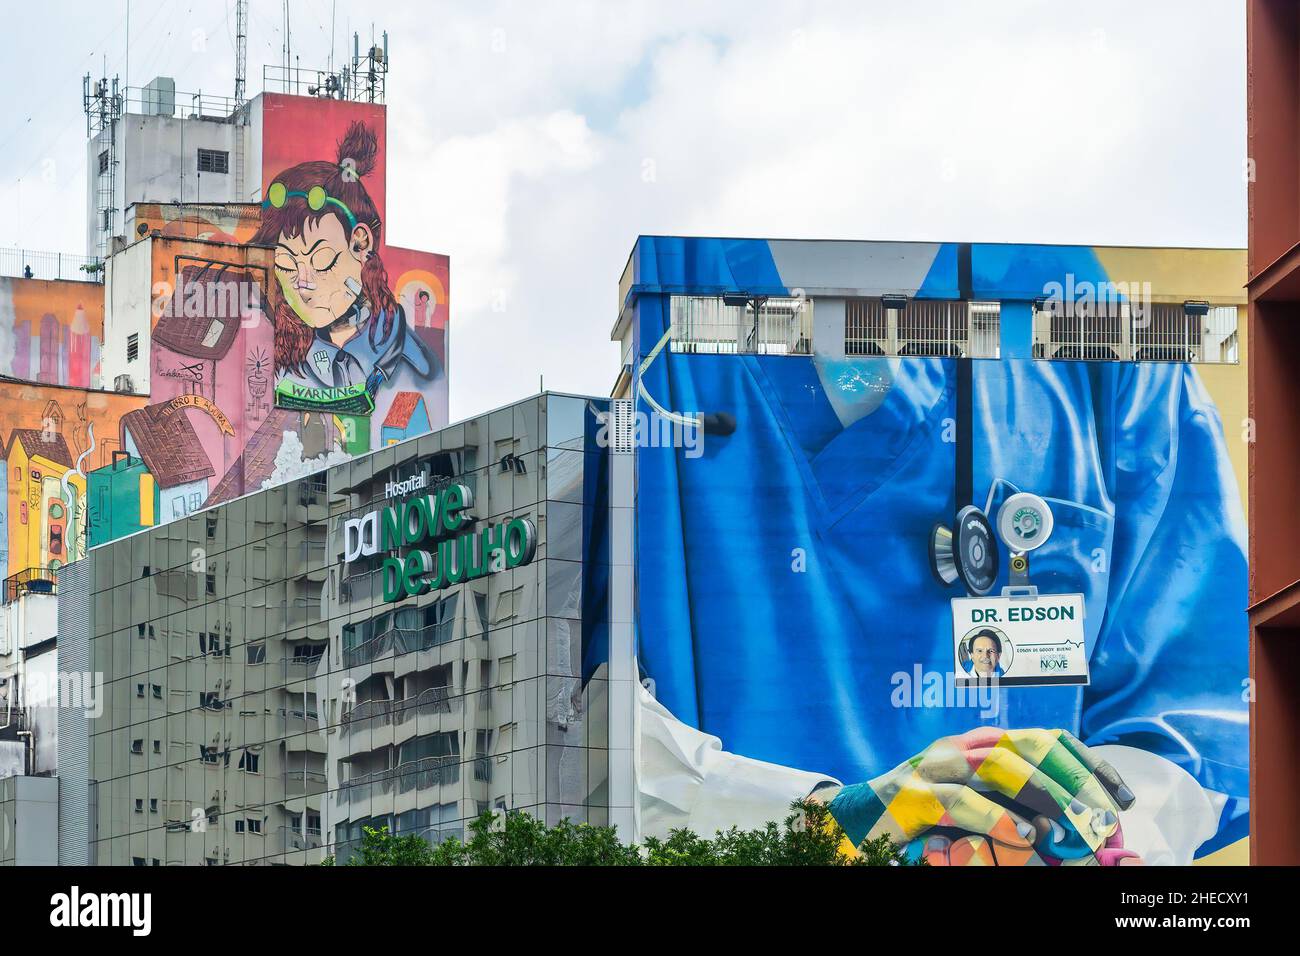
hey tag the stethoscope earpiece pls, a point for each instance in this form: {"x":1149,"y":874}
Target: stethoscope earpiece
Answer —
{"x":967,"y":552}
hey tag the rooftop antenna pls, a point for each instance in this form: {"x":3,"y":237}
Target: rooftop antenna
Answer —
{"x":241,"y":72}
{"x":241,"y":50}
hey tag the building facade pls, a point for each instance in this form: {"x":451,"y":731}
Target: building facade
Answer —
{"x":942,"y":519}
{"x":889,"y":525}
{"x":269,"y":688}
{"x":1273,"y":58}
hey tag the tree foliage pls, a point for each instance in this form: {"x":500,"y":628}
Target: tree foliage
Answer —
{"x":809,"y":836}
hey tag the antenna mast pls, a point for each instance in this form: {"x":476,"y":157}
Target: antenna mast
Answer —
{"x":241,"y":50}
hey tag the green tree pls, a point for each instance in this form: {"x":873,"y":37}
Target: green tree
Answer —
{"x":809,"y":836}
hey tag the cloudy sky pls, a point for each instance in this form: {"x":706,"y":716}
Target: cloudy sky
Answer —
{"x":534,"y":141}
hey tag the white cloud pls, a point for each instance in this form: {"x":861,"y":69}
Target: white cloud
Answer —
{"x":1021,"y":121}
{"x":519,"y":137}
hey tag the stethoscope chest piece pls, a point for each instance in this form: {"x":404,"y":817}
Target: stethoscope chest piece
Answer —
{"x":967,"y":552}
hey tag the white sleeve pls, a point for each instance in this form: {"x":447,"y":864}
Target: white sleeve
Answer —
{"x":687,"y":780}
{"x":1172,"y":814}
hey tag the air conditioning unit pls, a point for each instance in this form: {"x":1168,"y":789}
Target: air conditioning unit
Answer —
{"x":123,"y":384}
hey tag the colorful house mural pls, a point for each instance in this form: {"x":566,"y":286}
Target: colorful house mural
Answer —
{"x":47,"y":532}
{"x":406,"y":418}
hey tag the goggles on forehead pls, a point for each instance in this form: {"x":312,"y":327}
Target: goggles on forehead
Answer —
{"x":316,"y":197}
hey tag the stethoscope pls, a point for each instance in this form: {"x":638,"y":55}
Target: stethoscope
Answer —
{"x":712,"y":423}
{"x":967,"y":552}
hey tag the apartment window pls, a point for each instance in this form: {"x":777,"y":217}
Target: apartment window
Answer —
{"x":256,"y":653}
{"x":308,"y":653}
{"x":248,"y":762}
{"x":157,"y":746}
{"x":208,"y":754}
{"x":132,"y":346}
{"x":139,"y":806}
{"x":896,"y":325}
{"x":767,"y":325}
{"x":214,"y":161}
{"x":137,"y":745}
{"x":239,"y":826}
{"x":210,"y":582}
{"x":156,"y":690}
{"x":153,"y":804}
{"x":209,"y":700}
{"x":139,"y":690}
{"x":137,"y":861}
{"x":254,"y":825}
{"x":508,"y":604}
{"x":103,"y":161}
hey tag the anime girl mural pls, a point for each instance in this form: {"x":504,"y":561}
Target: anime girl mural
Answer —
{"x":342,"y":343}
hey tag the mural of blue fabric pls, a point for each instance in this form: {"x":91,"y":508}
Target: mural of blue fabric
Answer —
{"x":852,"y":462}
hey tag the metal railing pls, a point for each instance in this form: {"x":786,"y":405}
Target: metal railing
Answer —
{"x":428,"y":772}
{"x":398,"y":640}
{"x":921,"y":327}
{"x":708,"y":325}
{"x":152,"y":101}
{"x":1137,"y":332}
{"x":33,"y":264}
{"x":292,"y":840}
{"x":30,"y":581}
{"x":371,"y":714}
{"x":364,"y":786}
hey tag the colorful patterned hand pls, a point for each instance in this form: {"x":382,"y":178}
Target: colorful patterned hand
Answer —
{"x":993,"y":796}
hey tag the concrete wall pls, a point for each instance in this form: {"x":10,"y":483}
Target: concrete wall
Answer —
{"x":128,"y":286}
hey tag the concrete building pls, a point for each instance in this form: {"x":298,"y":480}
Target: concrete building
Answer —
{"x":1273,"y":62}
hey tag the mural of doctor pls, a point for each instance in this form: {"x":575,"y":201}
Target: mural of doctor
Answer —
{"x":337,"y":322}
{"x":826,"y":492}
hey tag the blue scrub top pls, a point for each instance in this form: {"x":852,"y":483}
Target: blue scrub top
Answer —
{"x":798,"y":667}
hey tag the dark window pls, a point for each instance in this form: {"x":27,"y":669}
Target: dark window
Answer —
{"x":132,"y":347}
{"x":214,"y":161}
{"x":103,"y":161}
{"x":256,"y":653}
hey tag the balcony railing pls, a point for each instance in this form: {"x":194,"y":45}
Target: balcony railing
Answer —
{"x":398,"y":640}
{"x":423,"y":774}
{"x":366,"y":785}
{"x":765,"y":326}
{"x":292,"y":840}
{"x":372,"y":714}
{"x":300,"y":783}
{"x":32,"y":264}
{"x":30,"y":581}
{"x":429,"y":772}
